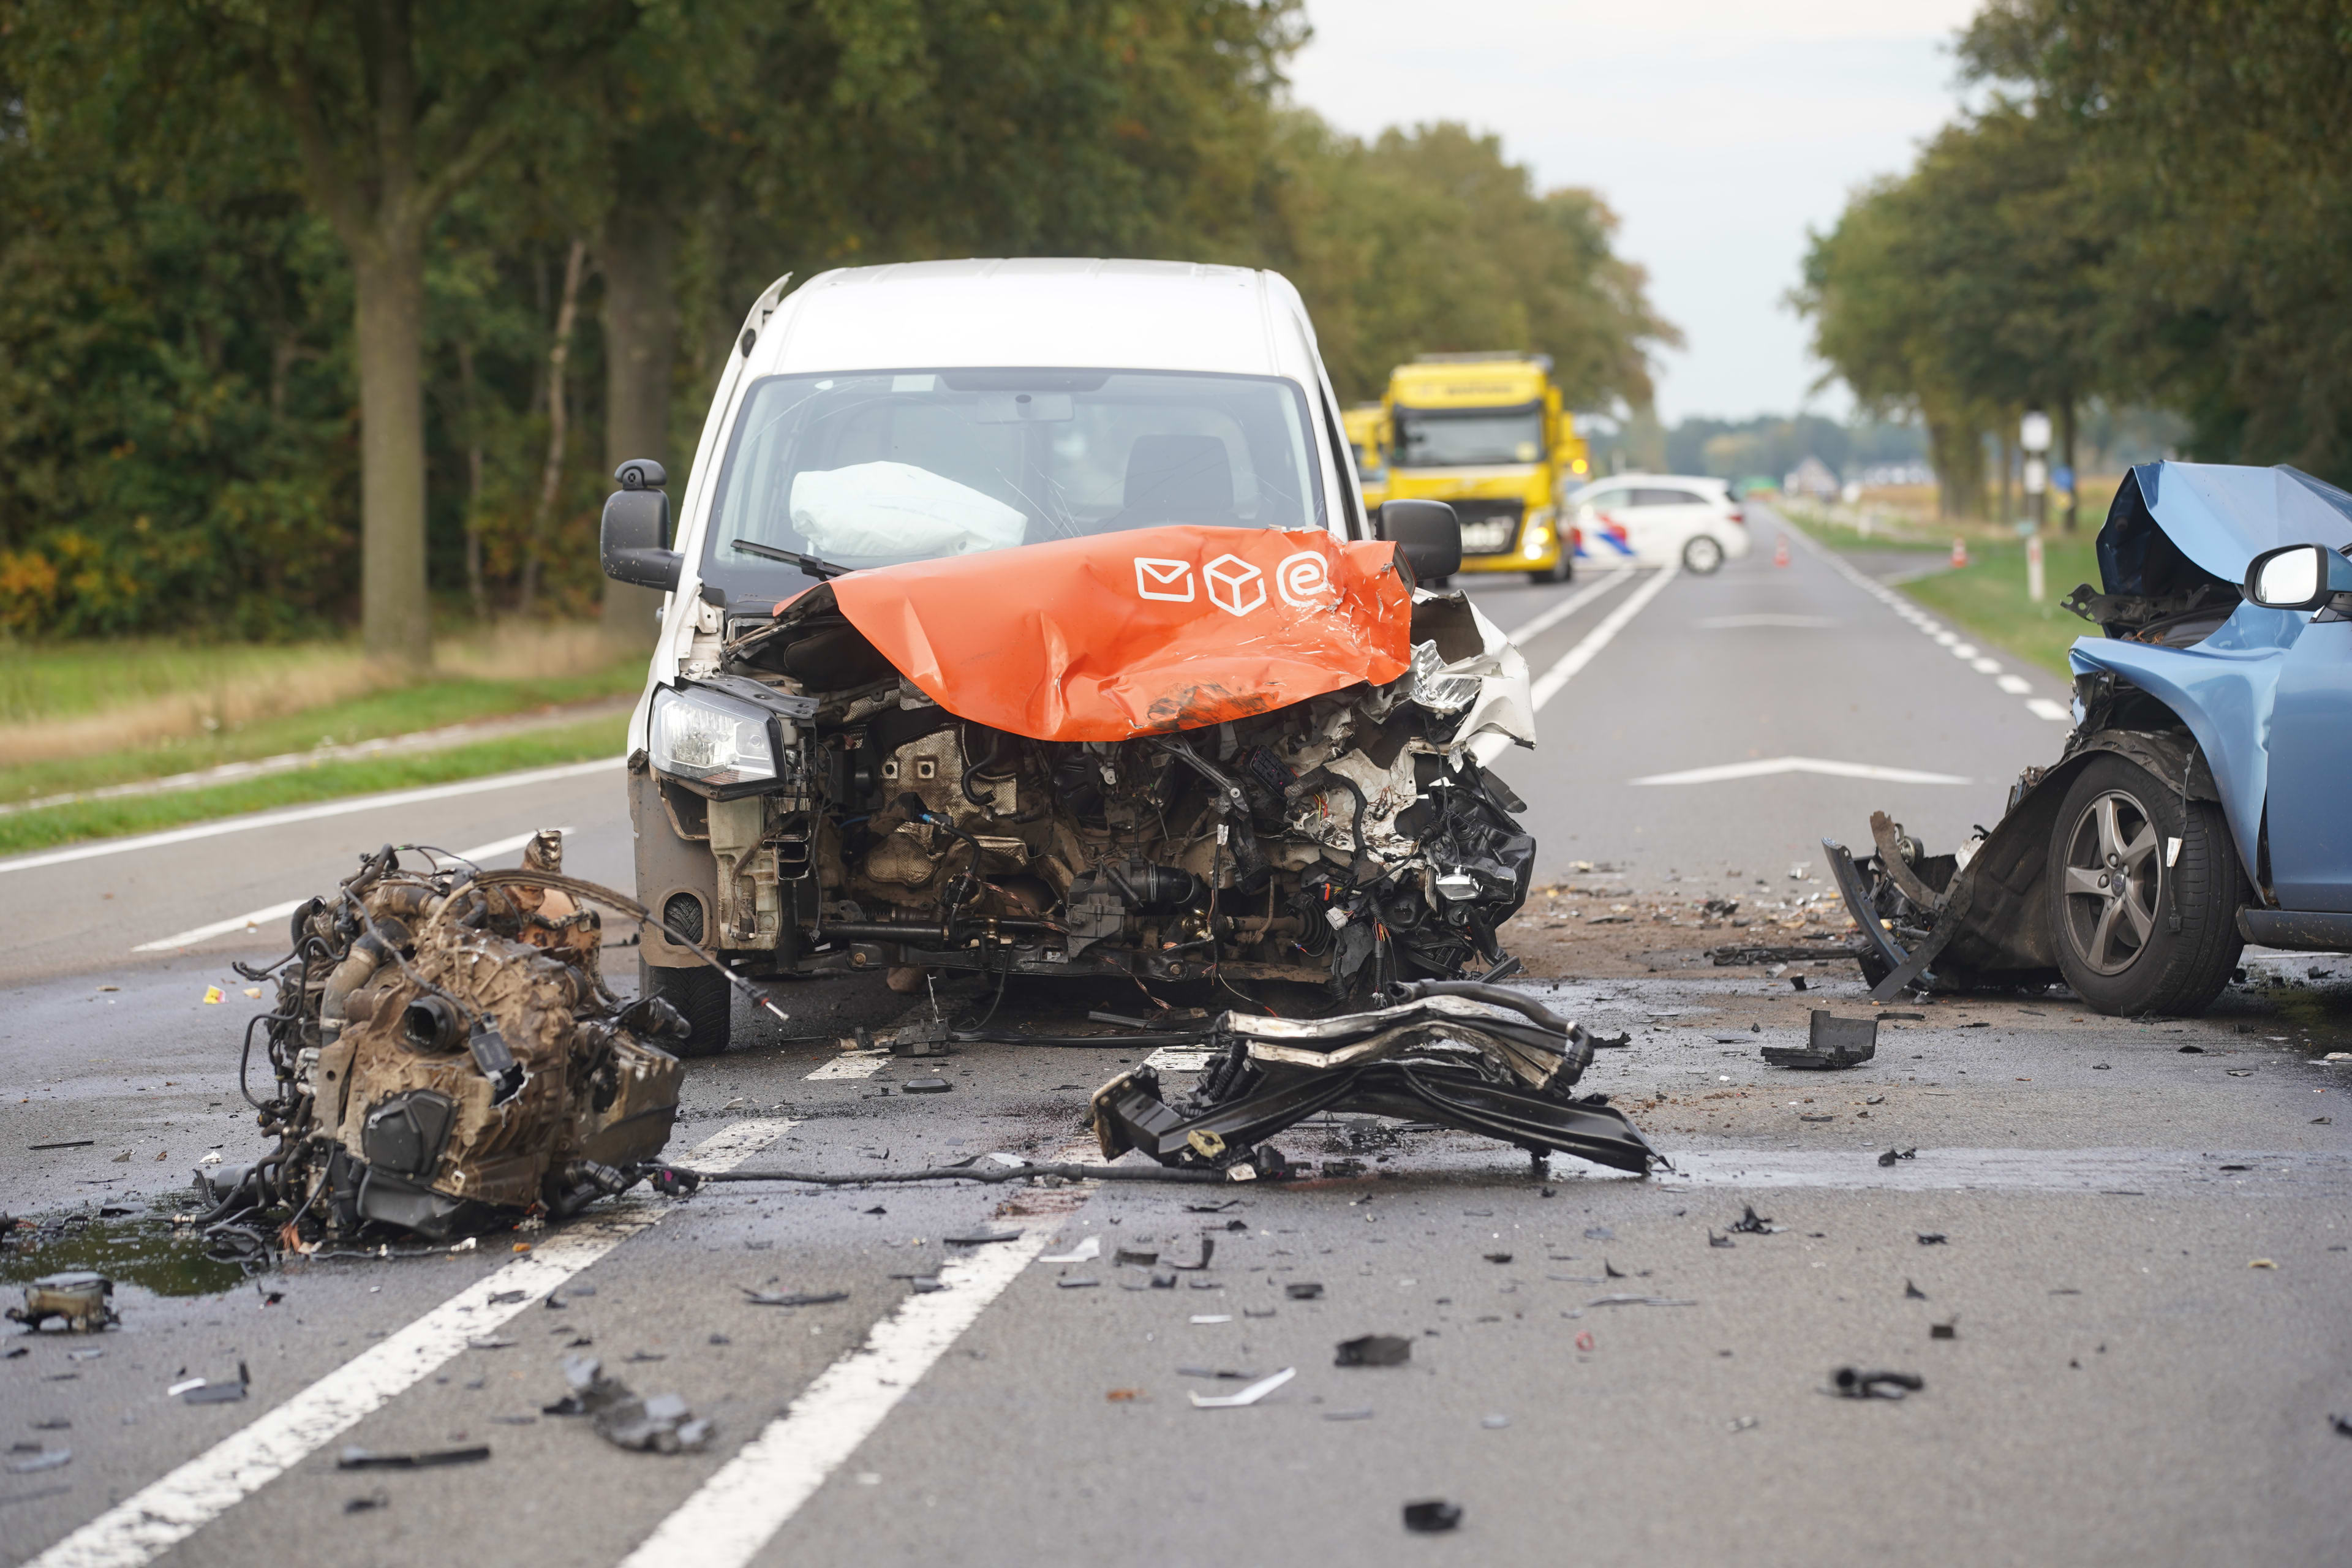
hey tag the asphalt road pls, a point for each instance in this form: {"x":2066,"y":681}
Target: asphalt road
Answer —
{"x":2122,"y":1384}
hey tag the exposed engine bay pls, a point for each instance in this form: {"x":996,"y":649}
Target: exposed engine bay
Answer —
{"x":826,"y":811}
{"x":446,"y":1053}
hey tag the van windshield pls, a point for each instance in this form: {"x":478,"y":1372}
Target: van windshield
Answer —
{"x":874,"y":469}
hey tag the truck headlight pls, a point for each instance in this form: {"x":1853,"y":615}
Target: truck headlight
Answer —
{"x":709,"y":738}
{"x":1538,"y":535}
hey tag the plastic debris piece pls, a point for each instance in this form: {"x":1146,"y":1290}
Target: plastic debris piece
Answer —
{"x":1933,"y":1238}
{"x":1950,"y":1330}
{"x":1493,"y":1423}
{"x":2262,"y":1263}
{"x":1742,"y":1424}
{"x":1077,"y":1284}
{"x":927,"y":1086}
{"x":657,"y":1423}
{"x":1584,"y":1340}
{"x":1303,"y":1291}
{"x":83,"y":1299}
{"x":1250,"y":1396}
{"x":1432,"y":1517}
{"x":1365,"y":1413}
{"x":214,"y":1394}
{"x":1213,"y":1317}
{"x":1912,"y":1292}
{"x":795,"y":1298}
{"x":1641,"y":1301}
{"x":1498,"y":1257}
{"x":981,"y":1237}
{"x":1834,"y":1043}
{"x":1208,"y":1250}
{"x":1852,"y":1383}
{"x":1124,"y":1395}
{"x":1750,"y":1223}
{"x":1374,"y":1350}
{"x":1599,"y":1233}
{"x":354,"y":1457}
{"x":1129,"y":1256}
{"x":1088,"y":1249}
{"x":46,"y":1459}
{"x":368,"y":1503}
{"x":1714,"y":1240}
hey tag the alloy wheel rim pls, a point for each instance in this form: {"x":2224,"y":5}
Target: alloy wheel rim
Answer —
{"x":2113,"y":876}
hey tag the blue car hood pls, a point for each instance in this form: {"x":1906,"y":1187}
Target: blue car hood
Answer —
{"x":2172,"y":526}
{"x":2219,"y":516}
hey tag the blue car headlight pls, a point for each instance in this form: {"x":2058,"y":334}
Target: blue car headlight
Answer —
{"x":711,"y":740}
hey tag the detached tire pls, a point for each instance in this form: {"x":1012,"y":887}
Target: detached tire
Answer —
{"x":702,"y":995}
{"x":1702,"y":556}
{"x":2113,"y":900}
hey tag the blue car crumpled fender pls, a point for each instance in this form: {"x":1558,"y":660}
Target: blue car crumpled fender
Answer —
{"x":2185,"y":684}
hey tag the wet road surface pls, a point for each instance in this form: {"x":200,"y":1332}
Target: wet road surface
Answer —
{"x":2123,"y":1383}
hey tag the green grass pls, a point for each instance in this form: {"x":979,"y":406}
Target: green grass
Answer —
{"x":326,"y":780}
{"x":1987,"y":596}
{"x":428,"y":705}
{"x":64,"y":680}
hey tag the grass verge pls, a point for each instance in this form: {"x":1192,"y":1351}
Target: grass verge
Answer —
{"x":328,"y":781}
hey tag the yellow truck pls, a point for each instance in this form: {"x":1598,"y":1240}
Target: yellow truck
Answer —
{"x":1367,"y":436}
{"x":1486,"y":432}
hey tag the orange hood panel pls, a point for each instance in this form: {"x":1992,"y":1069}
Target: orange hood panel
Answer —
{"x":1136,"y":633}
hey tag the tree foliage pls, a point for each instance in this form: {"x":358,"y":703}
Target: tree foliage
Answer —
{"x":197,"y":192}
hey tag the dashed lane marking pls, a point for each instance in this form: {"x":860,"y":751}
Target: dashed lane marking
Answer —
{"x":1976,"y":659}
{"x":1538,"y":624}
{"x":260,"y":917}
{"x":162,"y":1515}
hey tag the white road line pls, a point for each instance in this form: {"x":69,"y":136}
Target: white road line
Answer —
{"x":1522,"y":636}
{"x":279,"y":911}
{"x":851,"y":1064}
{"x":1486,"y":748}
{"x":2015,"y":686}
{"x":306,"y":814}
{"x":1548,"y":687}
{"x":1766,"y":767}
{"x":159,"y":1517}
{"x":756,"y":1493}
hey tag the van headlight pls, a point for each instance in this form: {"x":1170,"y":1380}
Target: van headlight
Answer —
{"x":711,"y":739}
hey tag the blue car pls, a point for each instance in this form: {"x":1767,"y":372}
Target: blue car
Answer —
{"x":2204,"y":800}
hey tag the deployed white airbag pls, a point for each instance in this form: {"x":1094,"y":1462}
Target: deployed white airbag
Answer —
{"x":898,"y":509}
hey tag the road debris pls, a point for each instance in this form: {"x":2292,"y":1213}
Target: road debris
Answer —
{"x":1950,"y":1330}
{"x":1750,"y":1223}
{"x":1374,"y":1350}
{"x":1640,"y":1301}
{"x":1892,"y":1155}
{"x":1432,"y":1517}
{"x":796,"y":1298}
{"x":1850,"y":1383}
{"x":1912,"y":1292}
{"x":1250,"y":1396}
{"x":1479,"y":1058}
{"x":1835,"y":1043}
{"x":447,"y":1053}
{"x":659,"y":1422}
{"x":1933,"y":1238}
{"x":1303,"y":1291}
{"x":82,"y":1299}
{"x":1088,"y":1249}
{"x":354,"y":1457}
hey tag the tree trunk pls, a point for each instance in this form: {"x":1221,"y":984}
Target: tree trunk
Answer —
{"x":551,"y":474}
{"x":396,"y":616}
{"x":637,"y":256}
{"x":469,"y":400}
{"x":2008,"y":476}
{"x":2066,"y":451}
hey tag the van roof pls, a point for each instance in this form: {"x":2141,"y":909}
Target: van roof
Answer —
{"x":1042,"y":311}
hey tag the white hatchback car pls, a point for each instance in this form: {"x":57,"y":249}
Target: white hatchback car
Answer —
{"x":1652,"y":519}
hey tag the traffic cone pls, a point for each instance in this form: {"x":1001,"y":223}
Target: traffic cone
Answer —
{"x":1780,"y":550}
{"x":1959,"y":553}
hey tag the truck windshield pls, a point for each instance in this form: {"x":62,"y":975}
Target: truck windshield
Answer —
{"x":1456,"y":438}
{"x":874,"y":469}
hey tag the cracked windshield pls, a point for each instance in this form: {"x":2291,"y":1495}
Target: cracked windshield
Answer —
{"x":875,"y":470}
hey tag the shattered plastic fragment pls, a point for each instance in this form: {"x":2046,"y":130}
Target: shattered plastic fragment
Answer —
{"x":1834,"y":1043}
{"x":1750,"y":1223}
{"x":1850,"y":1383}
{"x":1432,"y":1517}
{"x":354,"y":1457}
{"x":1088,"y":1249}
{"x":1250,"y":1396}
{"x":1374,"y":1350}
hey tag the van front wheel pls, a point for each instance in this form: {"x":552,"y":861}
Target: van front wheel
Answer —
{"x":703,"y":997}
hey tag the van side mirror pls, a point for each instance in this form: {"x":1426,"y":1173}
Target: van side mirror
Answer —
{"x":635,"y":537}
{"x":2298,"y":577}
{"x":1429,"y":532}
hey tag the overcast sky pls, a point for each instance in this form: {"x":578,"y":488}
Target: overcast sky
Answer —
{"x":1717,"y":130}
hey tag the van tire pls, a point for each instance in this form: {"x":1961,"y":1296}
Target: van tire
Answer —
{"x":2174,"y":974}
{"x":704,"y":999}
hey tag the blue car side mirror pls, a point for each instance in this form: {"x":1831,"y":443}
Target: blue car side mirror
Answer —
{"x":2298,"y":577}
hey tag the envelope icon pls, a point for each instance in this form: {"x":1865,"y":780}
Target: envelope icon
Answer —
{"x":1169,"y":580}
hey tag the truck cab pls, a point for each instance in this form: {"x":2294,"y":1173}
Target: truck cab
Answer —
{"x":1486,"y":432}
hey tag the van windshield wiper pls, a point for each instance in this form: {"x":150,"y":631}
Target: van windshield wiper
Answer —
{"x":816,"y":567}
